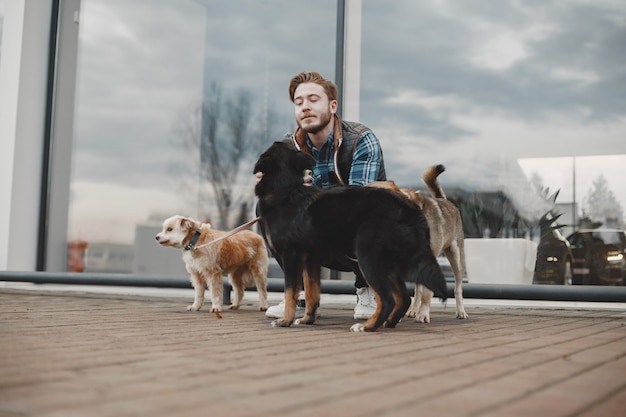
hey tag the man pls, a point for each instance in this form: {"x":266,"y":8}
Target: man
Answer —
{"x":345,"y":153}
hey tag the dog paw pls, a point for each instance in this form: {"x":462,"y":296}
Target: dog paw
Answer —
{"x":263,"y":308}
{"x":281,"y":323}
{"x":216,"y":309}
{"x":305,"y":320}
{"x":411,"y":314}
{"x":423,"y":318}
{"x":391,"y":324}
{"x":461,"y":315}
{"x":193,"y":307}
{"x":233,"y":307}
{"x":357,"y":328}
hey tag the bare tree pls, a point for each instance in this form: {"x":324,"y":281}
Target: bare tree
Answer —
{"x":224,"y":136}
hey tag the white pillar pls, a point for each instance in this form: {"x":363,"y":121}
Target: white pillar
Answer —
{"x":23,"y":72}
{"x":352,"y":61}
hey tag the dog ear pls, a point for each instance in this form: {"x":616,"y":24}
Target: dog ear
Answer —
{"x":266,"y":161}
{"x":261,"y":164}
{"x":186,"y":224}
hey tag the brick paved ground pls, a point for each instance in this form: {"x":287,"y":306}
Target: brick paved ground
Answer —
{"x":72,"y":354}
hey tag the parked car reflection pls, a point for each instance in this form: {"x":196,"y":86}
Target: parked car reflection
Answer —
{"x":599,"y":256}
{"x":554,"y":257}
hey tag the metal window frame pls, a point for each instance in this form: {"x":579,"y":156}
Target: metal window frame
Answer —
{"x":58,"y":137}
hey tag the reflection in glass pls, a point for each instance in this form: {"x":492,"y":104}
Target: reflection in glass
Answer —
{"x":599,"y":256}
{"x":485,"y":92}
{"x":175,"y":100}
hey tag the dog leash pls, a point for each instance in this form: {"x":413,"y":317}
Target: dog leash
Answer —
{"x":229,"y":234}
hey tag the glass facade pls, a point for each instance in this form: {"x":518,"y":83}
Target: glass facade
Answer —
{"x":176,"y":99}
{"x":523,"y":103}
{"x":510,"y":98}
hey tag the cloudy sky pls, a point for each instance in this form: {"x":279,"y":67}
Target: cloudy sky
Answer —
{"x":493,"y":90}
{"x":520,"y":79}
{"x":496,"y":86}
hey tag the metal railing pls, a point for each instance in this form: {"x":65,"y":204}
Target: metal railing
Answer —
{"x":479,"y":291}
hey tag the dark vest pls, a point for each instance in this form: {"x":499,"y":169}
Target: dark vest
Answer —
{"x":346,"y":136}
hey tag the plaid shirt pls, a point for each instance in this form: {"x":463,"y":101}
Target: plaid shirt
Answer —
{"x":365,"y":161}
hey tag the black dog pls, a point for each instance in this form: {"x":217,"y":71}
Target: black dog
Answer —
{"x":375,"y":230}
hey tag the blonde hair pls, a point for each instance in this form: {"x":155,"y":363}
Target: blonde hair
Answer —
{"x":313,"y":77}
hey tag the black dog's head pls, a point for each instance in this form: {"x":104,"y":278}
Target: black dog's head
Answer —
{"x":280,"y":167}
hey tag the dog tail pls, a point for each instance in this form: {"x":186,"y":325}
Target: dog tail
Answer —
{"x":430,"y":179}
{"x":430,"y":275}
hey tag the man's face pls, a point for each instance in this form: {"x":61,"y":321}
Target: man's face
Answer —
{"x":313,"y":109}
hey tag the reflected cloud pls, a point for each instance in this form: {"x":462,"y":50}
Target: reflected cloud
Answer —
{"x":473,"y":85}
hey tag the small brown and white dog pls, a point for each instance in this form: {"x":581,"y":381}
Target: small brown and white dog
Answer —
{"x":446,"y":235}
{"x":243,"y":256}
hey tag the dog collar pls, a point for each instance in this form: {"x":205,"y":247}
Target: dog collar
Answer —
{"x":193,"y":241}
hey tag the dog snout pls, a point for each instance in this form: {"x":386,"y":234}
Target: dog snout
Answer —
{"x":157,"y":237}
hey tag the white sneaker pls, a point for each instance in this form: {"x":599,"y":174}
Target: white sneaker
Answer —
{"x":365,"y":304}
{"x":278,"y":311}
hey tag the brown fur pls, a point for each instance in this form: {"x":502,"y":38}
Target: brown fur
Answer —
{"x":446,"y":235}
{"x":243,"y":256}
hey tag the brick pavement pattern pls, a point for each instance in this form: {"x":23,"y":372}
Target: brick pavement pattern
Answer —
{"x":73,"y":354}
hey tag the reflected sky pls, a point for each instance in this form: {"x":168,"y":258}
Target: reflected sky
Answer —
{"x":482,"y":81}
{"x":475,"y":85}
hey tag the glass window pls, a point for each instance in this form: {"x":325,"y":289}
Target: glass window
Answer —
{"x":175,"y":101}
{"x":517,"y":100}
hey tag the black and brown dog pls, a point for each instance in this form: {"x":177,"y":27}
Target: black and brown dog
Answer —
{"x":381,"y":233}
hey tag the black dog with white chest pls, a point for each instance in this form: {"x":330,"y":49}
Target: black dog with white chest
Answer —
{"x":381,"y":233}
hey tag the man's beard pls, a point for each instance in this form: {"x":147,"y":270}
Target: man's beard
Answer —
{"x":323,"y":122}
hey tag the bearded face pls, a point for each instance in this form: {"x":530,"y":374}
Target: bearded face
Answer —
{"x":315,"y":123}
{"x":313,"y":110}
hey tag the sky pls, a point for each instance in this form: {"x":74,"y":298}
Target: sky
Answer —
{"x":499,"y":91}
{"x":504,"y":80}
{"x":496,"y":91}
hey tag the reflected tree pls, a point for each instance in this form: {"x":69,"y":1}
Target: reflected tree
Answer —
{"x":601,"y":206}
{"x":488,"y":214}
{"x":222,"y":139}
